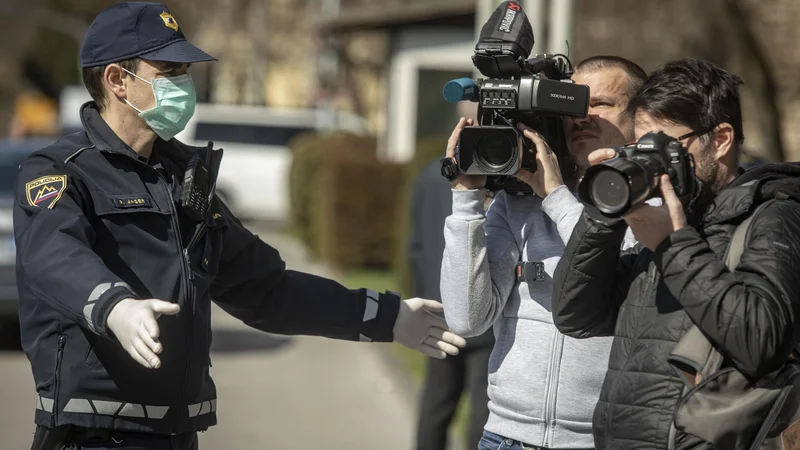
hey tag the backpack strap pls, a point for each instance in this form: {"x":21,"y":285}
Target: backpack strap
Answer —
{"x":733,"y":254}
{"x":694,"y":357}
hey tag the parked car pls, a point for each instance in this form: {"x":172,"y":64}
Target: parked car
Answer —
{"x":12,"y":152}
{"x":254,"y":175}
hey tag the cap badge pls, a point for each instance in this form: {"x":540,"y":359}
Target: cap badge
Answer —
{"x":169,"y":21}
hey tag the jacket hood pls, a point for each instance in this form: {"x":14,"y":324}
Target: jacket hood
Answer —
{"x":753,"y":187}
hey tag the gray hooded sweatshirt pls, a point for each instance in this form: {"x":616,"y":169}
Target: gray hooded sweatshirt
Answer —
{"x":543,"y":386}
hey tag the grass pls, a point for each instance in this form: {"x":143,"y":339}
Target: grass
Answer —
{"x":412,"y":361}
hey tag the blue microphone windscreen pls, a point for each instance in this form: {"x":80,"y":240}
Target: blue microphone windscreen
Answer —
{"x":460,"y":89}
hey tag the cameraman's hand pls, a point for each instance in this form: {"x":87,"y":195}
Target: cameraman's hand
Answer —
{"x":134,"y":324}
{"x":600,"y":155}
{"x":463,"y":182}
{"x":652,"y":224}
{"x":419,"y":329}
{"x":548,"y":175}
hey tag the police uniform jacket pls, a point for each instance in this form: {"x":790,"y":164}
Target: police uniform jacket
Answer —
{"x":95,"y":224}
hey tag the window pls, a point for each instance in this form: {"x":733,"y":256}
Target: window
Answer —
{"x":248,"y":134}
{"x":436,"y":117}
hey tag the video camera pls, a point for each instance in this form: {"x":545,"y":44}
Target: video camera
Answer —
{"x":614,"y":187}
{"x":537,"y":92}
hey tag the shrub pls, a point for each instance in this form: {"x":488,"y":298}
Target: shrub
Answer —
{"x":306,"y":162}
{"x":343,"y":200}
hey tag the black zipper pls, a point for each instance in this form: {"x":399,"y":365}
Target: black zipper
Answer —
{"x":186,"y":281}
{"x":186,"y":276}
{"x":189,"y":300}
{"x":59,"y":356}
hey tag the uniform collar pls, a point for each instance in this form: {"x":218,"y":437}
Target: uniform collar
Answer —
{"x":100,"y":134}
{"x":104,"y":139}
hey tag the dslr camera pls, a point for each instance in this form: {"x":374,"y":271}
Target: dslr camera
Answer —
{"x":612,"y":188}
{"x":537,"y":92}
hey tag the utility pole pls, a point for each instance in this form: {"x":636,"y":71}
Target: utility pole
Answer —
{"x":560,"y":26}
{"x":536,"y":11}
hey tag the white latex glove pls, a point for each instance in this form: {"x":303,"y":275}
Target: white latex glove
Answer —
{"x":134,"y":324}
{"x":419,"y":329}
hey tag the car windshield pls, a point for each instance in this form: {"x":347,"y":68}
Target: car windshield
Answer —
{"x":12,"y":153}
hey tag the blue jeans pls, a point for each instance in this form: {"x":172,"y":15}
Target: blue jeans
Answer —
{"x":491,"y":441}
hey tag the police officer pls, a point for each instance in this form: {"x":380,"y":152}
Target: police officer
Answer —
{"x":122,"y":245}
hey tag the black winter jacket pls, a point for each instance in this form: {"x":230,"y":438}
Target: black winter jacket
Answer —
{"x":647,"y":300}
{"x":94,"y":224}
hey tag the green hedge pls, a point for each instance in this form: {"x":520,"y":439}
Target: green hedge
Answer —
{"x":343,"y":200}
{"x":351,"y":210}
{"x":302,"y":199}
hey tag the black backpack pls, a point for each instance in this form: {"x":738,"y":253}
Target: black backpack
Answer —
{"x":721,"y":405}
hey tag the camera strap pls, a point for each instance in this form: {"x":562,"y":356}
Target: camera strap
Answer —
{"x":530,"y":271}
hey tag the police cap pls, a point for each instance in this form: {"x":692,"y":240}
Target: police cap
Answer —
{"x":137,"y":29}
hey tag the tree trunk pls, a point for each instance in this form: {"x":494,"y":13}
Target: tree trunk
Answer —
{"x":769,"y":91}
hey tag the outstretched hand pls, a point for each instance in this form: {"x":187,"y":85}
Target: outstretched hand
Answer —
{"x":419,"y":329}
{"x":133,"y":322}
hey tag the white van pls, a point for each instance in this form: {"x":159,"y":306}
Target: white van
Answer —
{"x":254,"y":174}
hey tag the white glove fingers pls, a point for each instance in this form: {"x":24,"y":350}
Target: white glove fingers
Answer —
{"x":151,"y":326}
{"x":447,"y":336}
{"x":435,"y":321}
{"x":137,"y":357}
{"x":451,"y":350}
{"x":146,"y":333}
{"x":150,"y":358}
{"x":433,"y":305}
{"x":432,"y":352}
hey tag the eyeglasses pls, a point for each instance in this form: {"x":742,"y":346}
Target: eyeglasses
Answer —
{"x":696,"y":133}
{"x":685,"y":136}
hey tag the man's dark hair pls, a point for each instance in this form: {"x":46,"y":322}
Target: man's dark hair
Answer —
{"x":636,"y":75}
{"x":93,"y":80}
{"x":693,"y":93}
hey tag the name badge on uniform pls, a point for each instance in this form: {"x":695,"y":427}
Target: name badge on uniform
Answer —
{"x":131,"y":201}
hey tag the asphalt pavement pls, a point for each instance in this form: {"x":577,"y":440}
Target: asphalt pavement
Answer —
{"x":274,"y":392}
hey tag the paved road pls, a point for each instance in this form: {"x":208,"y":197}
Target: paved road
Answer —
{"x":274,"y":392}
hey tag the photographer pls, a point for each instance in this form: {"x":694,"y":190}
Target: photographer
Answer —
{"x":542,"y":386}
{"x":648,"y":298}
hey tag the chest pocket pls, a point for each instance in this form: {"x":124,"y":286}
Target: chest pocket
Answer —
{"x":133,"y":218}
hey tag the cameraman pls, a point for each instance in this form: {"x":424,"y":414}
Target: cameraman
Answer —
{"x":542,"y":386}
{"x":649,"y":297}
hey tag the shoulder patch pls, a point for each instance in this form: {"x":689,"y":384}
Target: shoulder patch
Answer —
{"x":46,"y":191}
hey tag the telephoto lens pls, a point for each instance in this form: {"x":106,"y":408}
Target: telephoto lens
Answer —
{"x":617,"y":185}
{"x":614,"y":187}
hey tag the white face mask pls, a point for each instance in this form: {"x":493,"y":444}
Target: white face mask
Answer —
{"x":175,"y":102}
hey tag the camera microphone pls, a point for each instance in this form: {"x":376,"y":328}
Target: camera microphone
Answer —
{"x":460,"y":89}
